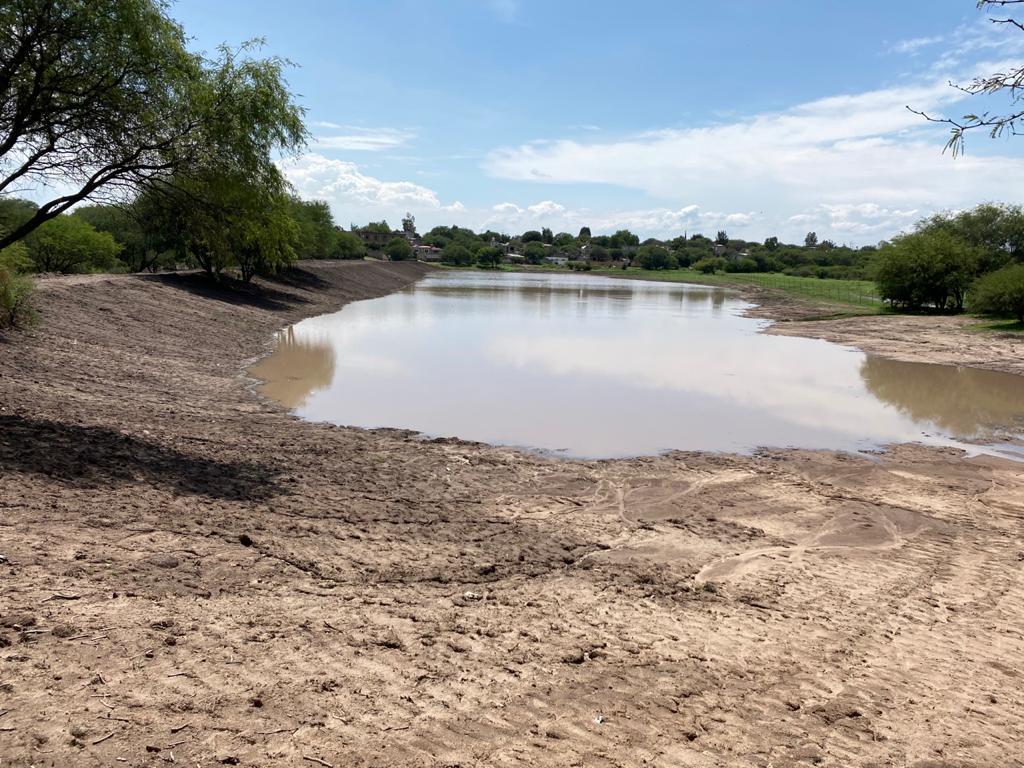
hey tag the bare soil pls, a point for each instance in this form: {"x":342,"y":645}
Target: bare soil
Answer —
{"x":193,"y":576}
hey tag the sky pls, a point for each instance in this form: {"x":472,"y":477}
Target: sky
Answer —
{"x":760,"y":117}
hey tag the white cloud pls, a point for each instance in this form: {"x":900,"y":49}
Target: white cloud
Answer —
{"x":344,"y":185}
{"x":842,"y":151}
{"x":914,"y":45}
{"x":362,"y":139}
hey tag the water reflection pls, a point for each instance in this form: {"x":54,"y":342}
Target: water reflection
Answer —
{"x":298,"y":367}
{"x":964,"y":402}
{"x":601,"y":367}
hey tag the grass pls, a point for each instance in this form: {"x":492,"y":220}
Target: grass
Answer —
{"x":998,"y":326}
{"x":859,"y":293}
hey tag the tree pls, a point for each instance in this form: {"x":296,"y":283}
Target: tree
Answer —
{"x":722,"y":238}
{"x":532,"y":236}
{"x":1000,"y":292}
{"x":70,"y":244}
{"x":811,"y":240}
{"x":926,"y":268}
{"x":584,"y":235}
{"x":534,"y":252}
{"x":348,"y":246}
{"x":656,"y":257}
{"x":398,"y":249}
{"x":263,"y":239}
{"x":489,"y":256}
{"x":1010,"y":83}
{"x":378,"y":226}
{"x":710,"y":266}
{"x":547,"y":236}
{"x":598,"y":253}
{"x":772,"y":243}
{"x":458,"y":254}
{"x":623,"y":239}
{"x":102,"y":97}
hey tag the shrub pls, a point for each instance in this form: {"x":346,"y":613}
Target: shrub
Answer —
{"x":741,"y":265}
{"x":927,"y":267}
{"x":710,"y":266}
{"x":457,"y":254}
{"x":398,"y":249}
{"x":1000,"y":292}
{"x":580,"y":266}
{"x":15,"y":298}
{"x":69,"y":243}
{"x":656,"y":257}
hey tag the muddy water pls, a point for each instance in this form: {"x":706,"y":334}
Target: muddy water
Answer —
{"x":598,"y":367}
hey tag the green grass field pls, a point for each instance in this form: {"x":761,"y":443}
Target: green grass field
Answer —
{"x":859,"y":293}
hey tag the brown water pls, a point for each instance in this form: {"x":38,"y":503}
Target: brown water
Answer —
{"x":598,"y":367}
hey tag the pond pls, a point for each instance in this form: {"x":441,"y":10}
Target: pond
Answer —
{"x":599,"y":367}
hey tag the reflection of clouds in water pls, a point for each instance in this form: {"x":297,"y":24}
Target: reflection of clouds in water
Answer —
{"x":297,"y":368}
{"x":607,"y":367}
{"x":961,"y":401}
{"x":761,"y":375}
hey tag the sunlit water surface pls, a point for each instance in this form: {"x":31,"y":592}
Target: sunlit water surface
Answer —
{"x":597,"y":367}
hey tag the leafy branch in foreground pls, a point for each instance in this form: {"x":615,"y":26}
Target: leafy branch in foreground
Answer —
{"x":101,"y":97}
{"x":1011,"y":82}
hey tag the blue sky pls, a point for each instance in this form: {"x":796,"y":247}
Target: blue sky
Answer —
{"x":761,"y":117}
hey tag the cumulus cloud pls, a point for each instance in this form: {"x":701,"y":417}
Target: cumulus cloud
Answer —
{"x":842,"y":151}
{"x":342,"y":183}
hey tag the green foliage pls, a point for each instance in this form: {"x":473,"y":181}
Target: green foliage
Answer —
{"x":348,"y":246}
{"x":926,"y":268}
{"x":1000,"y":293}
{"x":15,"y":259}
{"x":15,"y":298}
{"x":378,"y":226}
{"x":741,"y":265}
{"x":580,"y":266}
{"x":623,"y":239}
{"x":71,"y":244}
{"x":532,"y":236}
{"x":656,"y":257}
{"x":710,"y":266}
{"x":398,"y":249}
{"x":489,"y":256}
{"x":534,"y":252}
{"x":811,"y":240}
{"x":584,"y":235}
{"x":458,"y":255}
{"x":722,"y":238}
{"x":547,"y":236}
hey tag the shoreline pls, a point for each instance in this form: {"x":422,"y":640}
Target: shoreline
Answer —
{"x":190,"y":567}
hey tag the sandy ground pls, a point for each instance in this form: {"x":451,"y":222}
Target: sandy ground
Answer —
{"x":194,"y":577}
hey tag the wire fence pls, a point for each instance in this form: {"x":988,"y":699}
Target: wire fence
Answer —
{"x":863,"y":293}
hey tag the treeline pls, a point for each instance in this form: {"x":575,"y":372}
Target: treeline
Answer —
{"x":101,"y":100}
{"x":151,"y":233}
{"x":972,"y":259}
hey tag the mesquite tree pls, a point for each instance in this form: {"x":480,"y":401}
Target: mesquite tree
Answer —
{"x":102,"y":98}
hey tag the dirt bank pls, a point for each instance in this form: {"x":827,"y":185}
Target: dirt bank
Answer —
{"x":193,"y":576}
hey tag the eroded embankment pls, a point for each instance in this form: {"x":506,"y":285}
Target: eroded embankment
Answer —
{"x":194,"y":573}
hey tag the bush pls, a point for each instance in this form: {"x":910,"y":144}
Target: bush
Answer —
{"x":457,"y":254}
{"x":15,"y":298}
{"x":1000,"y":292}
{"x":741,"y":265}
{"x":71,"y":244}
{"x":656,"y":257}
{"x":710,"y":266}
{"x":927,"y":267}
{"x":398,"y":249}
{"x":580,"y":266}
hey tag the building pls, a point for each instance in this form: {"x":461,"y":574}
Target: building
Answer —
{"x":557,"y":260}
{"x":426,"y":253}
